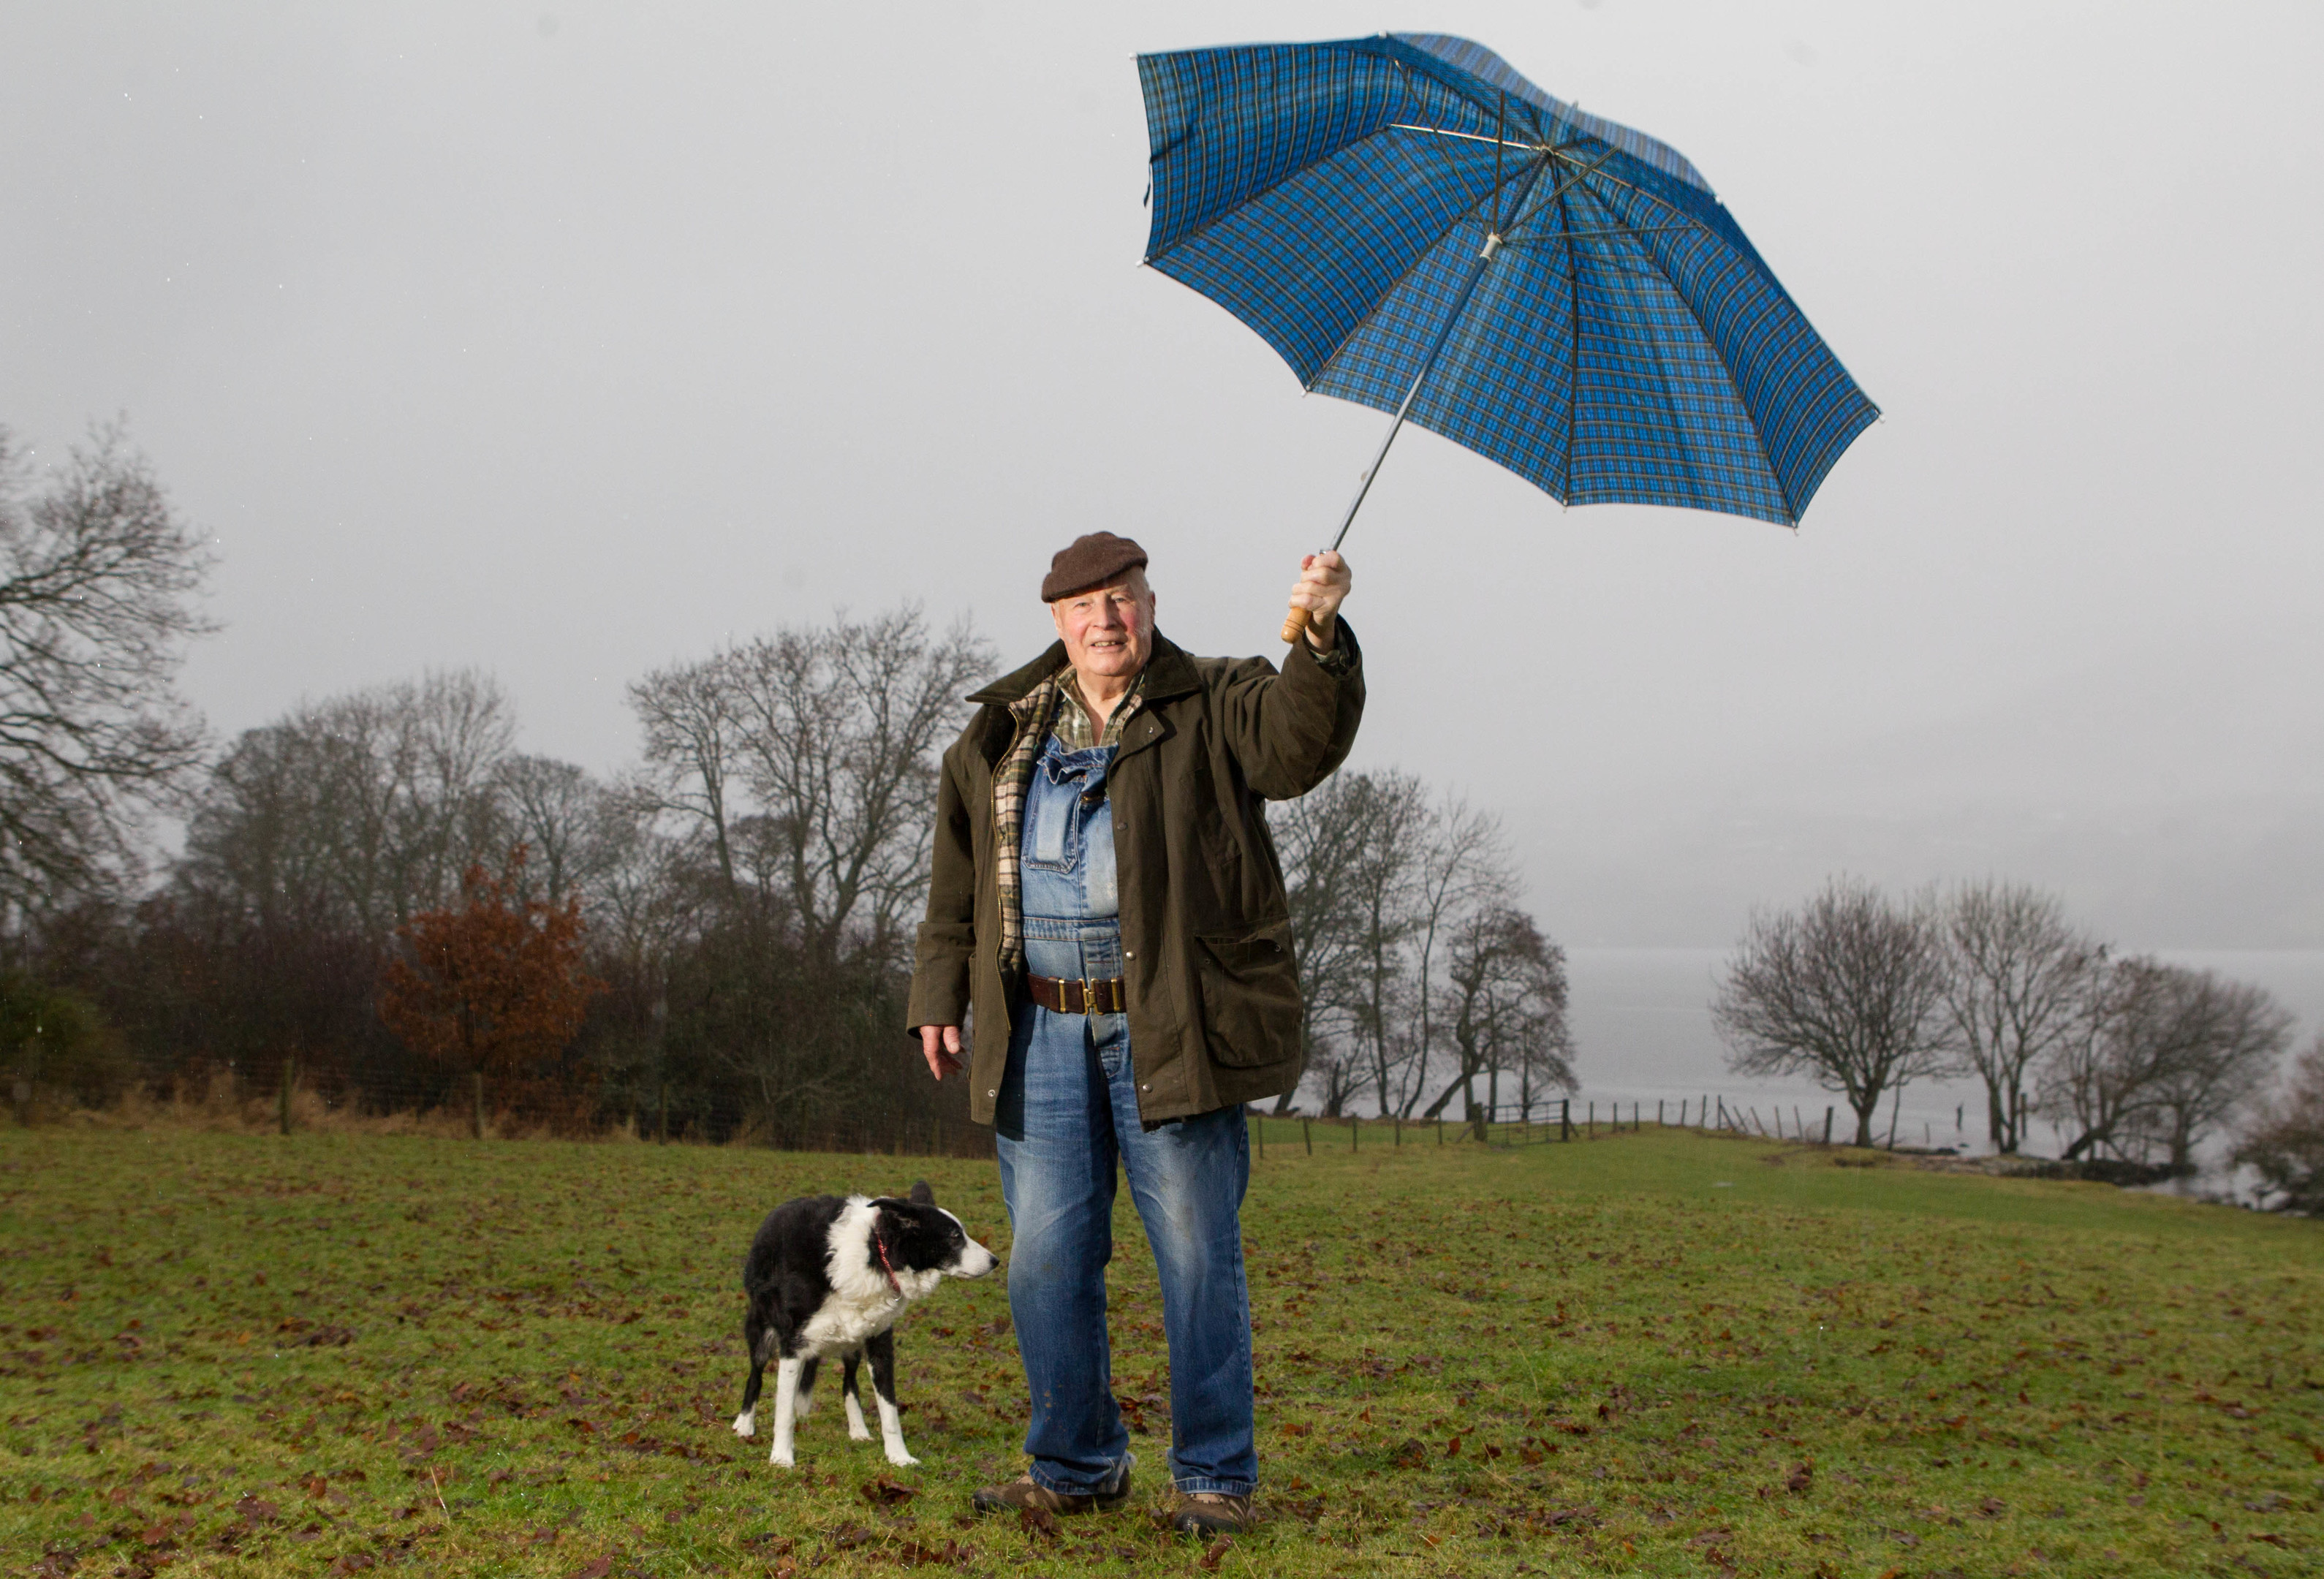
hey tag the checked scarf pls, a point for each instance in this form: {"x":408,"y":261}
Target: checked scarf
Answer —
{"x":1037,"y":713}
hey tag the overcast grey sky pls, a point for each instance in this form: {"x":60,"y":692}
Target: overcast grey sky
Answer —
{"x":564,"y":340}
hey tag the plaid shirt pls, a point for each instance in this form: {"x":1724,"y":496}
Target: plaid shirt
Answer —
{"x":1072,"y":724}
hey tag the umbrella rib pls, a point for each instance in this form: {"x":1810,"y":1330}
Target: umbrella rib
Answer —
{"x":1588,"y":234}
{"x":1532,"y":174}
{"x":1468,"y":136}
{"x":1559,"y":153}
{"x":1428,"y":362}
{"x":1573,"y":347}
{"x":1558,"y":197}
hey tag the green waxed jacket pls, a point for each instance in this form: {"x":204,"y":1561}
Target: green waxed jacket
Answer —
{"x":1214,"y":990}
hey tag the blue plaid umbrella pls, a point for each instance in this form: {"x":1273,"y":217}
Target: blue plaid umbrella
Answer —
{"x":1415,"y":227}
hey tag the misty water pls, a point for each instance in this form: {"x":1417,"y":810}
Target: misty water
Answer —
{"x":1641,"y":1022}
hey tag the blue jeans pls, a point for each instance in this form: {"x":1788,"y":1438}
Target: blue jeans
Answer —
{"x":1067,"y":1112}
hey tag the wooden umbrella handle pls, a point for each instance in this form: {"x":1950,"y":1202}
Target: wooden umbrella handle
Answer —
{"x":1295,"y":623}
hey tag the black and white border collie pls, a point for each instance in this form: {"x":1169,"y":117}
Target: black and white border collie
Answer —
{"x":828,"y":1276}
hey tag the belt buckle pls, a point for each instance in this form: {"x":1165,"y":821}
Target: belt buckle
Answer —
{"x":1089,"y":995}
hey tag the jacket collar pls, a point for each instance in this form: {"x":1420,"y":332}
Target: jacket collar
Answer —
{"x":1169,"y":672}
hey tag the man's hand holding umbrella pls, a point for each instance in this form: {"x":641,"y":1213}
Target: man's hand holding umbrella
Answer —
{"x":1322,"y":583}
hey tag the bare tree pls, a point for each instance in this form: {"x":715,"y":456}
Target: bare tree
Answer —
{"x":560,"y":813}
{"x":841,"y":729}
{"x":98,"y":582}
{"x":2018,"y":985}
{"x":2284,"y":1142}
{"x":2236,"y":1036}
{"x":1398,"y":826}
{"x":1321,"y":837}
{"x":1847,"y":990}
{"x":363,"y":809}
{"x":1508,"y":999}
{"x":1339,"y":1074}
{"x":2104,"y":1080}
{"x":2172,"y":1053}
{"x":1464,"y":866}
{"x":692,"y":735}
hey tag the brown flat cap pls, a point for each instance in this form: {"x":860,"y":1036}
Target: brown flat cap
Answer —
{"x":1091,"y":560}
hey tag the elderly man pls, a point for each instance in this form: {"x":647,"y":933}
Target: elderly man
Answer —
{"x":1107,"y":901}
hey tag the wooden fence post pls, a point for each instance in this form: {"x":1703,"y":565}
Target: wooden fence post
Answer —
{"x":1827,"y":1126}
{"x":1565,"y":1118}
{"x":1307,"y":1135}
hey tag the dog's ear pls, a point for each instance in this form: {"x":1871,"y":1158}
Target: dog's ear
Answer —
{"x":921,"y":1195}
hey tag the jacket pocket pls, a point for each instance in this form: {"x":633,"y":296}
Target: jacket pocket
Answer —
{"x":1250,"y":995}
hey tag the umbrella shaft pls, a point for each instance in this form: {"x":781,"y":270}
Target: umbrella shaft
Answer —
{"x":1427,"y":364}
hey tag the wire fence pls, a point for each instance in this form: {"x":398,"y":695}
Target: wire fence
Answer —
{"x":1561,"y":1121}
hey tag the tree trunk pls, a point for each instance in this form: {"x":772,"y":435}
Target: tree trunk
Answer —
{"x":1864,"y":1119}
{"x":1997,"y":1119}
{"x":1435,"y":1110}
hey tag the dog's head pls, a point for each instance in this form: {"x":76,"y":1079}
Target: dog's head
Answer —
{"x":920,"y":1236}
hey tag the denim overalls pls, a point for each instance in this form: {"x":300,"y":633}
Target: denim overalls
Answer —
{"x":1066,"y":1114}
{"x":1072,"y":913}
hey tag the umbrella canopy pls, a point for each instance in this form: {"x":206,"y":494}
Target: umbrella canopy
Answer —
{"x":1415,"y":227}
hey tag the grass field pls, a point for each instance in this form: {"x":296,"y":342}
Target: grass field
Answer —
{"x":1656,"y":1353}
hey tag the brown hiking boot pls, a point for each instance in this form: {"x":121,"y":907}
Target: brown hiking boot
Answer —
{"x":1208,"y":1513}
{"x":1026,"y":1495}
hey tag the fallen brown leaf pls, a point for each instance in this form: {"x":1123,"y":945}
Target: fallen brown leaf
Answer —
{"x":886,"y":1491}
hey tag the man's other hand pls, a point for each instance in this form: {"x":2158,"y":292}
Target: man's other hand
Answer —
{"x":1322,"y":583}
{"x":941,"y":1045}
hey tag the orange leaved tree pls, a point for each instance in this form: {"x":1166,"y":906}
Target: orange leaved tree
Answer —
{"x":494,"y":986}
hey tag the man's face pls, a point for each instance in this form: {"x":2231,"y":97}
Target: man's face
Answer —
{"x":1107,"y":630}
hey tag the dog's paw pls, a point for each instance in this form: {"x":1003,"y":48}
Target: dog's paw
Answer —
{"x":858,"y":1431}
{"x":781,"y":1457}
{"x":745,"y":1426}
{"x":901,"y":1459}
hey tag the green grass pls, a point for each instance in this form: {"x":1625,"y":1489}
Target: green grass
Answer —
{"x":1657,"y":1352}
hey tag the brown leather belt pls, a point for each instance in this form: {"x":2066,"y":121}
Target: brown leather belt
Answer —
{"x":1067,"y":995}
